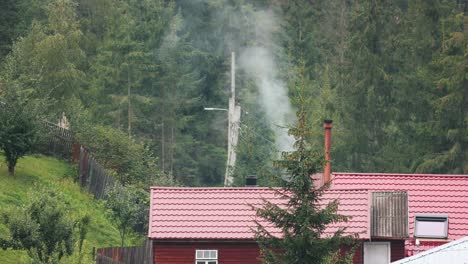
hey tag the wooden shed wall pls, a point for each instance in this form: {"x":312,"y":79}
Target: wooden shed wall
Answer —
{"x":184,"y":252}
{"x":389,"y":217}
{"x":397,"y":250}
{"x":235,"y":252}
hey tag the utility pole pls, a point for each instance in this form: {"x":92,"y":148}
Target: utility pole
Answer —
{"x":163,"y":154}
{"x":129,"y":105}
{"x":172,"y":154}
{"x":234,"y":113}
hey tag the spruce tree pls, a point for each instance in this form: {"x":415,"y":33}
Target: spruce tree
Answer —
{"x":447,"y":96}
{"x":303,"y":218}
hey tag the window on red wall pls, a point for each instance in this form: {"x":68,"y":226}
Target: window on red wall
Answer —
{"x":431,"y":226}
{"x":206,"y":256}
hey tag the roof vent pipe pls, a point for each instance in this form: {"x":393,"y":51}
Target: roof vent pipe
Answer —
{"x":251,"y":181}
{"x":327,"y":125}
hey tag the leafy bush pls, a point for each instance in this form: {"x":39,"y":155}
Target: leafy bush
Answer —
{"x":44,"y":228}
{"x":129,"y":160}
{"x":129,"y":206}
{"x":19,"y":127}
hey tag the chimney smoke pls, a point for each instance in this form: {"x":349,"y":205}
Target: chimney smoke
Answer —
{"x":327,"y":125}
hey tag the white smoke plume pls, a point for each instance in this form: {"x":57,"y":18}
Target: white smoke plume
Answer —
{"x":251,"y":32}
{"x":259,"y":63}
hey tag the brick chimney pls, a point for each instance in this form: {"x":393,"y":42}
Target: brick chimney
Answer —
{"x":327,"y":125}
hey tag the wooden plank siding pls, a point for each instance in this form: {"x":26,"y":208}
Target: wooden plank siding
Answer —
{"x":184,"y":252}
{"x":397,"y":250}
{"x":358,"y":253}
{"x":389,"y":214}
{"x":237,"y":252}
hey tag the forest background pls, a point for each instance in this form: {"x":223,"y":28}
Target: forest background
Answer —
{"x":133,"y":77}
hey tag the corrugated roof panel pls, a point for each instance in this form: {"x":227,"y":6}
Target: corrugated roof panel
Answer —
{"x":427,"y":194}
{"x":227,"y":213}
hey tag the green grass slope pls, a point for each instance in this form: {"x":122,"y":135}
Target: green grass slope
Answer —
{"x":33,"y":172}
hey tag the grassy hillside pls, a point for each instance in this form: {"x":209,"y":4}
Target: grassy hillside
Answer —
{"x":36,"y":171}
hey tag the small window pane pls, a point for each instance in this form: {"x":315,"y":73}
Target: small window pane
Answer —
{"x":426,"y":228}
{"x":206,"y":256}
{"x":431,"y":226}
{"x":211,"y":262}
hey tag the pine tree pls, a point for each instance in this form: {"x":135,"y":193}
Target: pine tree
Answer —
{"x":448,"y":97}
{"x":302,"y":220}
{"x":49,"y":59}
{"x":366,"y":95}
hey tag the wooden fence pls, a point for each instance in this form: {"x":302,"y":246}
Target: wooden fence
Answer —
{"x":58,"y":142}
{"x":100,"y":259}
{"x":126,"y":255}
{"x":92,"y":176}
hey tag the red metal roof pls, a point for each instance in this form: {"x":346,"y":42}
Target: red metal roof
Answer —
{"x":427,"y":194}
{"x":225,"y":213}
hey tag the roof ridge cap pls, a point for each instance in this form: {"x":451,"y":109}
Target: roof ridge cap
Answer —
{"x":211,"y":188}
{"x":399,"y":174}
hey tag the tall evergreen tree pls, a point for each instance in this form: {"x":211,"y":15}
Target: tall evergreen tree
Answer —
{"x":49,"y":59}
{"x":448,"y":97}
{"x":366,"y":96}
{"x":302,"y":220}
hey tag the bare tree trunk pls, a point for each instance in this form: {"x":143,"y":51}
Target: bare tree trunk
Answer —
{"x":172,"y":153}
{"x":162,"y":146}
{"x":129,"y":106}
{"x":11,"y":170}
{"x":122,"y":236}
{"x":11,"y":160}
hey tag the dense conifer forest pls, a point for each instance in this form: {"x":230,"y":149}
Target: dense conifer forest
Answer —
{"x":133,"y":78}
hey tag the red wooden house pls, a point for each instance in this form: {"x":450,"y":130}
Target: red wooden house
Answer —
{"x":396,"y":215}
{"x":389,"y":211}
{"x":215,"y":225}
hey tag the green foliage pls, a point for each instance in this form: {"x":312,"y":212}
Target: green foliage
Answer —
{"x":129,"y":209}
{"x":43,"y":228}
{"x":19,"y":127}
{"x":8,"y":18}
{"x":48,"y":59}
{"x":129,"y":160}
{"x":302,"y":220}
{"x":38,"y":173}
{"x":448,"y":98}
{"x":387,"y":72}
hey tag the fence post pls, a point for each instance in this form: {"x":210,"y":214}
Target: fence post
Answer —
{"x":83,"y":170}
{"x":76,"y":152}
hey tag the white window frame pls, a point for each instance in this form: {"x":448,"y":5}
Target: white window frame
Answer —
{"x":378,"y":243}
{"x":431,"y":218}
{"x":212,"y":256}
